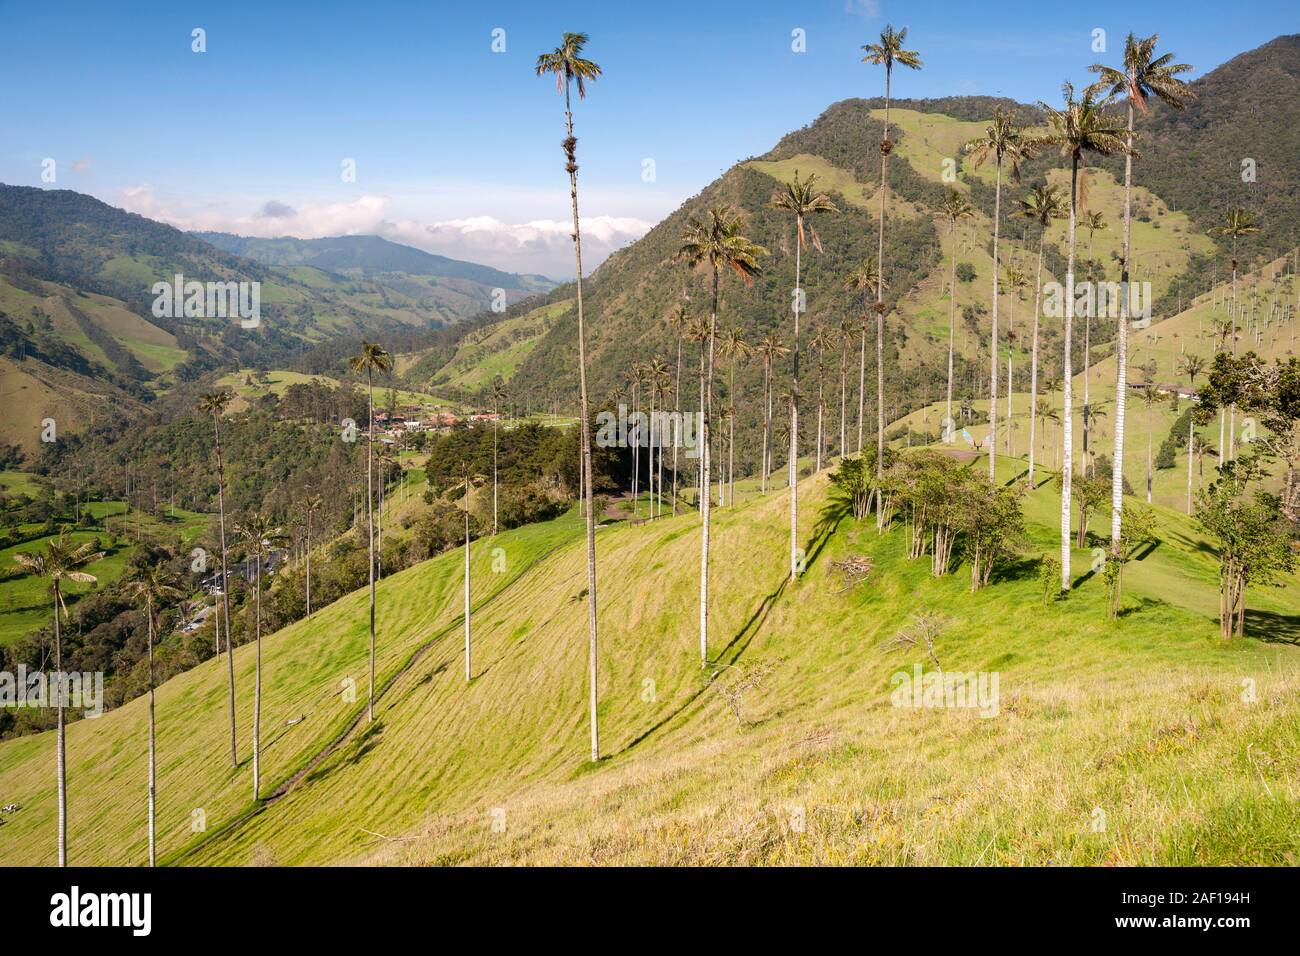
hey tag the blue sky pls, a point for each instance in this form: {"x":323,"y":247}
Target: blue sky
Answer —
{"x":457,"y":147}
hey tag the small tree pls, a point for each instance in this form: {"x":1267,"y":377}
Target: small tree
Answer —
{"x":1137,"y":529}
{"x":1049,"y":575}
{"x":1089,"y":495}
{"x":852,"y":485}
{"x":993,"y":526}
{"x":1253,"y":536}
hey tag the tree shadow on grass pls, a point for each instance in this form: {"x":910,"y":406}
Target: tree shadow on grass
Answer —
{"x":351,"y":755}
{"x":1143,"y":604}
{"x":1273,"y":628}
{"x":1015,"y":570}
{"x":827,"y":523}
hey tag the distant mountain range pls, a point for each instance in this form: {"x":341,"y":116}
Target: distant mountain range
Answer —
{"x":369,"y":256}
{"x":78,"y":324}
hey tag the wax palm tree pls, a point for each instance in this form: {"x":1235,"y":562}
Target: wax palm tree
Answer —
{"x":61,"y":562}
{"x":467,"y":485}
{"x":1094,"y":222}
{"x":1237,"y":225}
{"x":153,"y":585}
{"x":657,"y":373}
{"x":888,"y":53}
{"x":1150,"y":396}
{"x":866,"y":279}
{"x":662,"y":383}
{"x":214,"y":404}
{"x":803,"y":201}
{"x":1015,"y":280}
{"x":714,"y":242}
{"x":735,"y":348}
{"x":679,"y":319}
{"x":1046,"y":412}
{"x":822,"y":342}
{"x":769,"y":349}
{"x":1191,"y":366}
{"x":499,"y":395}
{"x":372,"y":358}
{"x":384,"y":459}
{"x":698,"y":331}
{"x":1081,"y":126}
{"x":955,"y":208}
{"x":1142,"y":76}
{"x":635,"y":380}
{"x":260,"y":535}
{"x":844,"y":334}
{"x":569,"y":68}
{"x":1006,"y":144}
{"x":312,"y":505}
{"x":1041,"y":205}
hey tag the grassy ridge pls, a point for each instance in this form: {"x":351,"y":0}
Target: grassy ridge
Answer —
{"x":303,"y":667}
{"x":1145,"y":721}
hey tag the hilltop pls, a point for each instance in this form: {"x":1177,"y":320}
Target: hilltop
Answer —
{"x":1186,"y":179}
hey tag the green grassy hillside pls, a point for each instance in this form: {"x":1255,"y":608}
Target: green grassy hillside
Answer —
{"x":1144,"y":724}
{"x":25,"y":600}
{"x":1165,"y":342}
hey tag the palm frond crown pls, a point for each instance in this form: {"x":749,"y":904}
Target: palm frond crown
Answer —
{"x":1145,"y":75}
{"x":566,"y":64}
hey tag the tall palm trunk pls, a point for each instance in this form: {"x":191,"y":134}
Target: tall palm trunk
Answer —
{"x":766,"y":454}
{"x":880,"y":415}
{"x":1086,"y":469}
{"x":636,"y":448}
{"x":844,"y":369}
{"x":699,"y":468}
{"x":880,"y":312}
{"x":993,"y":340}
{"x":309,"y":562}
{"x":497,"y":412}
{"x":1121,"y":350}
{"x":952,"y":328}
{"x":1150,"y":427}
{"x":1067,"y":414}
{"x":1191,"y":445}
{"x":61,"y":753}
{"x":793,"y":464}
{"x":1232,"y":332}
{"x":570,"y":147}
{"x":1033,"y":361}
{"x":257,"y":682}
{"x":862,"y":381}
{"x":1011,"y":329}
{"x":659,"y":474}
{"x":650,"y":469}
{"x":225,"y":589}
{"x":467,"y":620}
{"x":152,"y":763}
{"x":821,"y":387}
{"x":731,"y":436}
{"x":677,"y":402}
{"x":707,"y":403}
{"x":370,"y":524}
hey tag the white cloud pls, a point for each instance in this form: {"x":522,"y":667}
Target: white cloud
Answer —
{"x":539,"y":245}
{"x":868,"y":9}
